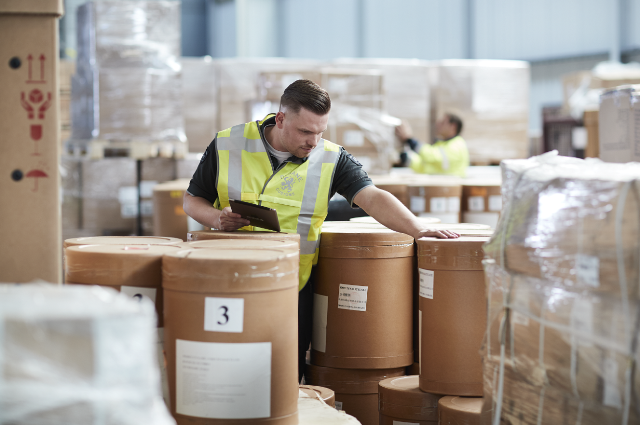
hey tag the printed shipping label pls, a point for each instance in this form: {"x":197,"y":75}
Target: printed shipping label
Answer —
{"x":417,"y":204}
{"x":353,"y":297}
{"x":582,"y":321}
{"x":319,"y":334}
{"x":338,"y":405}
{"x":426,"y":283}
{"x":588,"y":270}
{"x":223,"y":314}
{"x":138,"y":293}
{"x":453,"y":204}
{"x":438,"y":204}
{"x":476,"y":203}
{"x":611,"y":392}
{"x":495,"y":203}
{"x":223,"y":380}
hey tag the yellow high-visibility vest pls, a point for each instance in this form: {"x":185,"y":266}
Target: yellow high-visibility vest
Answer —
{"x":299,"y":192}
{"x":443,"y":157}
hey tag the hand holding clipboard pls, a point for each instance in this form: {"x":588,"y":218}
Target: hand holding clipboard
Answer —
{"x":258,"y":216}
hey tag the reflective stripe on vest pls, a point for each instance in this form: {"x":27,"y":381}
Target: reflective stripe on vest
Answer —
{"x":298,"y":192}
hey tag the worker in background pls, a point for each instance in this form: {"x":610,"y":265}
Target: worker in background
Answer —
{"x":282,"y":162}
{"x":448,"y":155}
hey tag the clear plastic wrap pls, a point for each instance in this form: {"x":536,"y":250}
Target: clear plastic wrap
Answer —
{"x":128,"y":82}
{"x":200,"y":102}
{"x":563,"y":287}
{"x":492,"y":99}
{"x":78,"y":355}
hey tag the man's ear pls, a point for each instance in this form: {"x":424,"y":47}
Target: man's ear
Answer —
{"x":280,"y":120}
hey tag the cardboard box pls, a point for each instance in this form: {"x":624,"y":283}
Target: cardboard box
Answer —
{"x":359,"y":88}
{"x":30,"y":127}
{"x":252,"y":360}
{"x":453,"y":315}
{"x":360,"y":320}
{"x":273,"y":83}
{"x":619,"y":125}
{"x":200,"y":102}
{"x":593,"y":142}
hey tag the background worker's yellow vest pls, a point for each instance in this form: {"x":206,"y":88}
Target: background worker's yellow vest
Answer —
{"x":298,"y":192}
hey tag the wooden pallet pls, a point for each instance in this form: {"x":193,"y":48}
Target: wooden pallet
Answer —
{"x":136,"y":149}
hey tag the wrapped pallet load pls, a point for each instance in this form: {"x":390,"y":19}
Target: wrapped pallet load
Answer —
{"x":562,"y":279}
{"x":78,"y":355}
{"x":231,"y":319}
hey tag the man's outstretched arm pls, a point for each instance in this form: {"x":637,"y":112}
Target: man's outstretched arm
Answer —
{"x":390,"y":212}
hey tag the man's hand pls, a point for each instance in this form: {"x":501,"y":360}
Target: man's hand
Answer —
{"x":403,"y":131}
{"x":440,"y":234}
{"x":230,"y":221}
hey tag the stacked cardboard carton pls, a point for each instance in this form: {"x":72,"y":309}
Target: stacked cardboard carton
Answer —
{"x":200,"y":102}
{"x":66,"y":71}
{"x":563,"y":296}
{"x":619,"y":124}
{"x":127,"y":85}
{"x":492,"y":99}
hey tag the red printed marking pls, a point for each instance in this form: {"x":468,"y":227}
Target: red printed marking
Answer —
{"x":42,"y":59}
{"x":36,"y":174}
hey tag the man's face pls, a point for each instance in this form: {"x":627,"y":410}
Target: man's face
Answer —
{"x":301,"y":131}
{"x":444,"y":128}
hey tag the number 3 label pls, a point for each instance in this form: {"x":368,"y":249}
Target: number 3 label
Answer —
{"x":223,"y":314}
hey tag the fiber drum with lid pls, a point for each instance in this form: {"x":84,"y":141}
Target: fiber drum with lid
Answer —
{"x":200,"y":235}
{"x":363,"y":299}
{"x":231,"y":319}
{"x":325,"y":394}
{"x":437,"y":197}
{"x":135,"y":270}
{"x":169,"y":218}
{"x":121,"y":240}
{"x":356,"y":389}
{"x":454,"y":410}
{"x":481,"y":202}
{"x":401,"y":402}
{"x":289,"y":245}
{"x":453,"y":315}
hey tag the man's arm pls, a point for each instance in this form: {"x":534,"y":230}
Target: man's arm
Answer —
{"x":390,"y":212}
{"x":203,"y":212}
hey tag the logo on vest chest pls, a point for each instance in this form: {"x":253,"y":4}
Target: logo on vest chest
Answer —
{"x":287,"y":184}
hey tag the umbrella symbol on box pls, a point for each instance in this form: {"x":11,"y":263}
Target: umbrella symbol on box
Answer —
{"x":36,"y":174}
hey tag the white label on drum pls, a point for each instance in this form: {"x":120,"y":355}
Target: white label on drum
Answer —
{"x":611,"y":392}
{"x":319,"y":331}
{"x":353,"y":297}
{"x":476,"y":203}
{"x":495,"y":203}
{"x":426,"y":283}
{"x":438,"y":204}
{"x":588,"y":270}
{"x":453,"y":204}
{"x":138,"y":293}
{"x":338,"y":405}
{"x":417,"y":204}
{"x":223,"y":314}
{"x":223,"y":380}
{"x":405,"y":423}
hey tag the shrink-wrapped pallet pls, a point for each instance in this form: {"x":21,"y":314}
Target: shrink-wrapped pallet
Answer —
{"x":561,"y":342}
{"x":78,"y":355}
{"x":128,"y":82}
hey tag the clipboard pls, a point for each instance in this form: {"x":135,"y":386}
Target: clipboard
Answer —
{"x":258,"y":216}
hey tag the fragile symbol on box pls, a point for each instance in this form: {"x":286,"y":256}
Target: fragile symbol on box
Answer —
{"x":353,"y":297}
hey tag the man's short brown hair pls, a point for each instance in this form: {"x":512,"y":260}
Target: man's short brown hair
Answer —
{"x":455,"y":120}
{"x":308,"y":95}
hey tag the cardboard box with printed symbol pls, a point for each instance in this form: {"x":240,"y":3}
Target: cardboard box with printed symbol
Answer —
{"x":30,"y":131}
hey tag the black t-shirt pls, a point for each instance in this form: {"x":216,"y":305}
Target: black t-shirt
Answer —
{"x":348,"y":179}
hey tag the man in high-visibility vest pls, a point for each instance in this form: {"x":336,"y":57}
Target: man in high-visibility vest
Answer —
{"x":448,"y":155}
{"x":282,"y":162}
